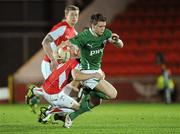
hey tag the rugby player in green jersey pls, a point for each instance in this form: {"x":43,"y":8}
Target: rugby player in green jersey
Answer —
{"x":91,"y":43}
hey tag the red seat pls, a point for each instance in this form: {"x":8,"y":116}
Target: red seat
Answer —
{"x":146,"y":28}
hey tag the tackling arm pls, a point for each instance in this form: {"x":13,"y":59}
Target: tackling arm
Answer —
{"x":74,"y":85}
{"x":79,"y":76}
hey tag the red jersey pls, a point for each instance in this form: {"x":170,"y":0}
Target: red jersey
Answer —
{"x":59,"y":78}
{"x":60,"y":32}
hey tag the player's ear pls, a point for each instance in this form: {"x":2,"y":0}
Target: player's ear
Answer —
{"x":92,"y":26}
{"x":66,"y":14}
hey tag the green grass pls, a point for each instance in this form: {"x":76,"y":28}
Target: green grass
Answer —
{"x":119,"y":118}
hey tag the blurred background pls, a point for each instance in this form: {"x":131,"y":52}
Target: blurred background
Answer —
{"x":148,"y":63}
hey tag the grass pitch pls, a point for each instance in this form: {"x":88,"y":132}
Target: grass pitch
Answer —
{"x":116,"y":118}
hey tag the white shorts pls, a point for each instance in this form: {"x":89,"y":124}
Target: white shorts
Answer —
{"x":91,"y":83}
{"x":45,"y":69}
{"x":61,"y":99}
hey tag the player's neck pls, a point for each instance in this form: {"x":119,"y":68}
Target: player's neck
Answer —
{"x":70,"y":24}
{"x":92,"y":32}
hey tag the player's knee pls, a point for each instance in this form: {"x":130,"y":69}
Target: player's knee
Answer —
{"x":113,"y":94}
{"x":76,"y":106}
{"x":96,"y":101}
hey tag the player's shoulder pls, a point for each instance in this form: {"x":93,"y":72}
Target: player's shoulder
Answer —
{"x":107,"y":33}
{"x":108,"y":30}
{"x":61,"y":24}
{"x":84,"y":33}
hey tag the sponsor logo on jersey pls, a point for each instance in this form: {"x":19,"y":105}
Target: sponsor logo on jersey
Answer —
{"x":97,"y":51}
{"x":90,"y":45}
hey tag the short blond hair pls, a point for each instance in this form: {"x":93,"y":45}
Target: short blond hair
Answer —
{"x":71,"y":8}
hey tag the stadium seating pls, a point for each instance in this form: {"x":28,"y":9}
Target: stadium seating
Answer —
{"x":147,"y":27}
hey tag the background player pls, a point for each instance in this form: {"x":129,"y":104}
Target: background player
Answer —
{"x":62,"y":31}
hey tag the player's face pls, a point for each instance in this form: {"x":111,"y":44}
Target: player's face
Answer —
{"x":99,"y":27}
{"x":72,"y":17}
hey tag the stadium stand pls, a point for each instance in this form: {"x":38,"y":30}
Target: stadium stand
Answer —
{"x":146,"y":27}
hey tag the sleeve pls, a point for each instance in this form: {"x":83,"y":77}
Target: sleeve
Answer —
{"x":78,"y":40}
{"x":56,"y":33}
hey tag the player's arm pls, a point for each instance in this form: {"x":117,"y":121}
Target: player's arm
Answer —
{"x":47,"y":47}
{"x":68,"y":44}
{"x":79,"y":76}
{"x":115,"y":40}
{"x":46,"y":43}
{"x":74,"y":85}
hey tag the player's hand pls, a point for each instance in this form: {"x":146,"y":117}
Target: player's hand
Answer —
{"x":103,"y":75}
{"x":54,"y":64}
{"x":100,"y":76}
{"x":74,"y":51}
{"x":55,"y":55}
{"x":72,"y":87}
{"x":116,"y":41}
{"x":114,"y":37}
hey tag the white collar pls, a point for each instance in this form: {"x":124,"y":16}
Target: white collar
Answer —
{"x":93,"y":33}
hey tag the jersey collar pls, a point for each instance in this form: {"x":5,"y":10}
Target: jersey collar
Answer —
{"x":68,"y":24}
{"x":93,"y":33}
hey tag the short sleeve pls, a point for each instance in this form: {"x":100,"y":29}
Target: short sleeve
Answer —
{"x":56,"y":33}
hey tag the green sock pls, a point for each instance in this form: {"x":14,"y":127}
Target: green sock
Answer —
{"x":84,"y":107}
{"x":99,"y":94}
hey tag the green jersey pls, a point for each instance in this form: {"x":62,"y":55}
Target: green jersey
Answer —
{"x":91,"y":48}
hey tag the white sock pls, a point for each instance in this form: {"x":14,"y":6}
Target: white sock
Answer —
{"x":59,"y":110}
{"x":38,"y":91}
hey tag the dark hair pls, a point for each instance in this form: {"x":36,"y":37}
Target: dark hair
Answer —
{"x":95,"y":18}
{"x":71,"y":8}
